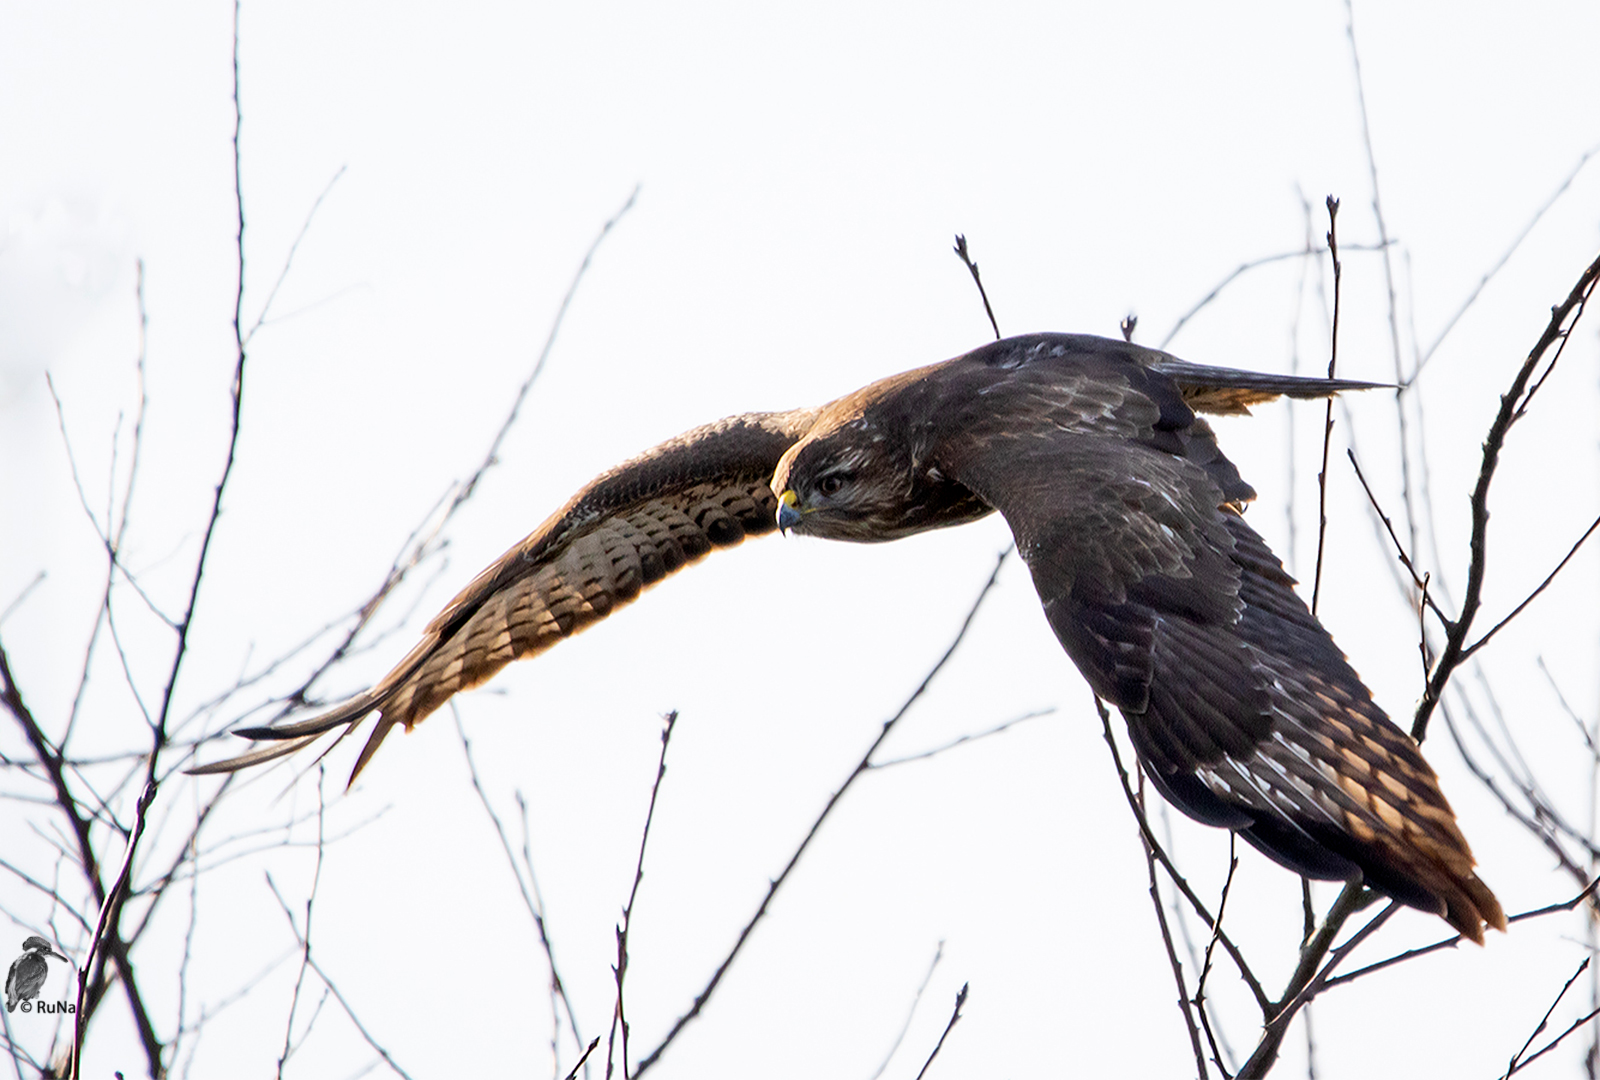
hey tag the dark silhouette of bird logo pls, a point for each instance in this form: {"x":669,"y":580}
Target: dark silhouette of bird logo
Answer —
{"x":28,"y":971}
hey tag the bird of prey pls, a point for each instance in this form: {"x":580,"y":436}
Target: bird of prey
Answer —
{"x":28,"y":971}
{"x":1243,"y":711}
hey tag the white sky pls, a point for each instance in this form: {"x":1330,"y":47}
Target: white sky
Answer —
{"x":802,"y":175}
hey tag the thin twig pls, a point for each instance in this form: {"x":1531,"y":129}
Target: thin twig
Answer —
{"x":419,"y":545}
{"x":1244,"y":268}
{"x":1185,"y":1006}
{"x":1572,"y":714}
{"x":288,"y":260}
{"x":1178,"y":879}
{"x":1553,"y":1043}
{"x":1450,"y":942}
{"x":1544,"y":1021}
{"x":530,"y":900}
{"x":105,"y":927}
{"x":1399,"y":548}
{"x":1488,"y":275}
{"x":962,"y":740}
{"x":961,"y":251}
{"x":1211,"y":945}
{"x":955,"y":1015}
{"x":594,"y":1042}
{"x":861,"y":768}
{"x":1388,"y":280}
{"x":916,"y":999}
{"x":1327,"y":423}
{"x":1543,"y":585}
{"x":305,"y":952}
{"x":333,"y":988}
{"x":493,"y":455}
{"x":619,"y":1016}
{"x":21,"y":596}
{"x":1563,"y":317}
{"x":1309,"y":980}
{"x":54,"y":764}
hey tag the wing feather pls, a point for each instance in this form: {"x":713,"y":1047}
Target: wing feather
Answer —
{"x":1242,"y":709}
{"x":626,"y":530}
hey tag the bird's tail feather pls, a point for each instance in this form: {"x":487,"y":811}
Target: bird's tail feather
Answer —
{"x":286,"y":739}
{"x":1232,"y":391}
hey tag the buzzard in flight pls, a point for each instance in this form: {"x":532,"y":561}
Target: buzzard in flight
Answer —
{"x":1242,"y":709}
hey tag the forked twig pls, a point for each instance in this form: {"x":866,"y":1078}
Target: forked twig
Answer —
{"x":619,"y":1017}
{"x":528,"y":888}
{"x":1177,"y":878}
{"x":1450,"y":942}
{"x":861,"y":768}
{"x":1563,"y":317}
{"x":1544,"y":1021}
{"x":105,"y":926}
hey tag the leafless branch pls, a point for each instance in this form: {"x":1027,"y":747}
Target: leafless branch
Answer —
{"x":1451,"y":942}
{"x":493,"y":455}
{"x":1211,"y":945}
{"x":1563,"y":317}
{"x":303,"y":941}
{"x":1531,"y":597}
{"x":1244,"y":268}
{"x":529,"y":889}
{"x":105,"y":928}
{"x":916,"y":999}
{"x":619,"y":1016}
{"x":1327,"y":423}
{"x":998,"y":729}
{"x":424,"y":538}
{"x":1399,"y":548}
{"x":1177,"y":878}
{"x":961,"y":252}
{"x":1185,"y":1006}
{"x":955,"y":1015}
{"x":1488,"y":275}
{"x":861,"y":768}
{"x":305,"y":952}
{"x":1516,"y":1064}
{"x":1311,"y":974}
{"x":573,"y":1075}
{"x":288,"y":260}
{"x":1388,"y":280}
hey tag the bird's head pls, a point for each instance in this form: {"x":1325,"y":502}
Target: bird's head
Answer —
{"x":35,"y":945}
{"x":845,"y":482}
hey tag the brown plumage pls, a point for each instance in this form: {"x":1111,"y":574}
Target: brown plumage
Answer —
{"x":1243,"y":711}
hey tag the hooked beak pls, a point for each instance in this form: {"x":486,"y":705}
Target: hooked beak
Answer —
{"x":789,"y":513}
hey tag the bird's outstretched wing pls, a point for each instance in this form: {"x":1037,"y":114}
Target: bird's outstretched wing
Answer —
{"x":1243,"y":710}
{"x":626,"y":530}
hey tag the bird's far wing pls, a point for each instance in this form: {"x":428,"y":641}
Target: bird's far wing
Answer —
{"x":626,"y":530}
{"x":1242,"y":708}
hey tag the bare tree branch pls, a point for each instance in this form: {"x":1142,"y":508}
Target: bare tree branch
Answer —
{"x":955,"y":1015}
{"x":961,"y":252}
{"x":619,"y":1016}
{"x":861,"y":767}
{"x":1563,"y":317}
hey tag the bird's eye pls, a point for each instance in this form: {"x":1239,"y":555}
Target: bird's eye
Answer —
{"x":830,"y":484}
